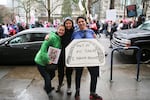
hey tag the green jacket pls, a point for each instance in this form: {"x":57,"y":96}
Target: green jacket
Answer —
{"x":42,"y":57}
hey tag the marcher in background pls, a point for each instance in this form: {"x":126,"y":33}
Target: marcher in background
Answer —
{"x":98,"y":28}
{"x":109,"y":27}
{"x":120,"y":25}
{"x":42,"y":59}
{"x":1,"y":31}
{"x":94,"y":27}
{"x":5,"y":28}
{"x":113,"y":29}
{"x":84,"y":32}
{"x":20,"y":27}
{"x":66,"y":39}
{"x":105,"y":25}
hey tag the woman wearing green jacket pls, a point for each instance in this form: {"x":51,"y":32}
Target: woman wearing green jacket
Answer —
{"x":42,"y":59}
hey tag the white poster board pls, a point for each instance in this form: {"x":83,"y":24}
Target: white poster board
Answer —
{"x":54,"y":54}
{"x":111,"y":15}
{"x":84,"y":52}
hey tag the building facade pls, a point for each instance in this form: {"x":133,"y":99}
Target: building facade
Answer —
{"x":102,"y":6}
{"x":38,"y":12}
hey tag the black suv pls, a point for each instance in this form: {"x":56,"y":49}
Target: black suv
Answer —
{"x":134,"y":37}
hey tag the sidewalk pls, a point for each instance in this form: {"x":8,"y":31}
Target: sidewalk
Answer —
{"x":25,"y":83}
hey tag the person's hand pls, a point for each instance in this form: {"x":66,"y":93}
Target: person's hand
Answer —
{"x":50,"y":62}
{"x":46,"y":37}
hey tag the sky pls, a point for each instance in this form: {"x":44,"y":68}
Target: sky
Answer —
{"x":4,"y":2}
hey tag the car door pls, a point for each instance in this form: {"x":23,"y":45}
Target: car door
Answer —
{"x":34,"y":44}
{"x":15,"y":50}
{"x":22,"y":48}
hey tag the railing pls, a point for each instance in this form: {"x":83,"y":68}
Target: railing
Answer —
{"x":138,"y":58}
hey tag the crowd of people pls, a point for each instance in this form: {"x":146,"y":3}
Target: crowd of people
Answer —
{"x":108,"y":27}
{"x":7,"y":30}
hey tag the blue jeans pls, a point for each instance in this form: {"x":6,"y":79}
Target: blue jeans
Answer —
{"x":47,"y":75}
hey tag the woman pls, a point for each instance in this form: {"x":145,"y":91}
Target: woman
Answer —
{"x":84,"y":32}
{"x":66,"y":39}
{"x":42,"y":59}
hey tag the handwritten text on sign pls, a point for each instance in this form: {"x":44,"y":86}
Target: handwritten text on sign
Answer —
{"x":84,"y":52}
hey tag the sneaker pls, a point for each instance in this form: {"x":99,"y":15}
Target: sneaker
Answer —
{"x":52,"y":88}
{"x":50,"y":95}
{"x":95,"y":96}
{"x":59,"y":88}
{"x":49,"y":91}
{"x":77,"y":96}
{"x":69,"y":91}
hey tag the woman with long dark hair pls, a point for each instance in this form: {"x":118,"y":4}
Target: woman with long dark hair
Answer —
{"x":66,"y":39}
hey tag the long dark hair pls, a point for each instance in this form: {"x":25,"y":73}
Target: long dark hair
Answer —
{"x":69,"y":19}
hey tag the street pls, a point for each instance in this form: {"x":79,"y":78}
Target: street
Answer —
{"x":25,"y":82}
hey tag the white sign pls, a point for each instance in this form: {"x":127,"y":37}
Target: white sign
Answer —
{"x":84,"y":52}
{"x":111,"y":15}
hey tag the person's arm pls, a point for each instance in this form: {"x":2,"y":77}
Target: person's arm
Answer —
{"x":94,"y":35}
{"x":72,"y":37}
{"x":45,"y":45}
{"x":47,"y":37}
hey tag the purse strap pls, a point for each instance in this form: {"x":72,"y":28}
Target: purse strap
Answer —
{"x":84,"y":34}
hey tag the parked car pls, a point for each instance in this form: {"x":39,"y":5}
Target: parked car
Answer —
{"x":22,"y":47}
{"x":134,"y":37}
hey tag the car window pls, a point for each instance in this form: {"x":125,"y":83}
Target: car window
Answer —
{"x":145,"y":26}
{"x":20,"y":39}
{"x":32,"y":37}
{"x":37,"y":37}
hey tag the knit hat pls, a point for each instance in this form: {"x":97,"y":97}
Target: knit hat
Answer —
{"x":67,"y":18}
{"x":70,"y":19}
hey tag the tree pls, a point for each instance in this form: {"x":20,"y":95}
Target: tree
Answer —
{"x":26,"y":6}
{"x":87,"y":4}
{"x":47,"y":6}
{"x":5,"y":14}
{"x":66,"y":8}
{"x":112,"y":6}
{"x":146,"y":4}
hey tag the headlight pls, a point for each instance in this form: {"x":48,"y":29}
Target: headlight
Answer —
{"x":127,"y":42}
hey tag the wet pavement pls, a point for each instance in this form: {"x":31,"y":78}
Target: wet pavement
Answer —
{"x":25,"y":83}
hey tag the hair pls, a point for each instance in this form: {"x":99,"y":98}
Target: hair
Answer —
{"x":79,"y":18}
{"x":69,"y":19}
{"x":61,"y":25}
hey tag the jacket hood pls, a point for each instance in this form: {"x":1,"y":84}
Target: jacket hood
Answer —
{"x":68,"y":18}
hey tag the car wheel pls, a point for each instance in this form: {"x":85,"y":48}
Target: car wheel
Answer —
{"x":145,"y":55}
